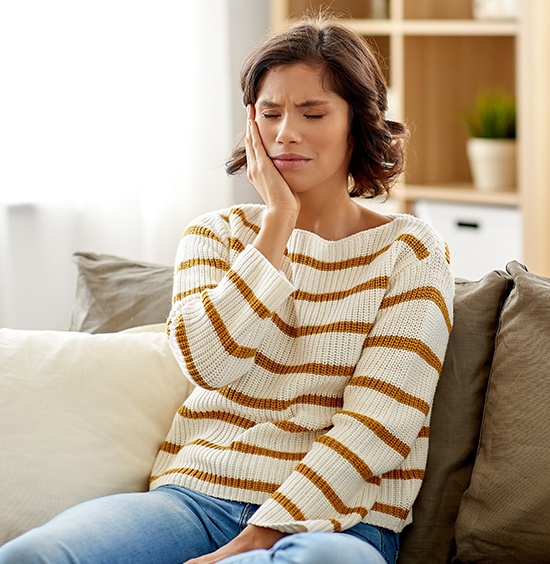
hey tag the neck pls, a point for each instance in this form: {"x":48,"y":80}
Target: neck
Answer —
{"x":332,"y":218}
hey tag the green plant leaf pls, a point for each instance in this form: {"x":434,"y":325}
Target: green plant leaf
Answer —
{"x":493,"y":116}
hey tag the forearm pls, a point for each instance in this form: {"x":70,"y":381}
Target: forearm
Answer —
{"x":214,"y":334}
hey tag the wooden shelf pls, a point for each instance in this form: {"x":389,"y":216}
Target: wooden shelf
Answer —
{"x":433,"y":28}
{"x":437,"y":58}
{"x":455,"y":193}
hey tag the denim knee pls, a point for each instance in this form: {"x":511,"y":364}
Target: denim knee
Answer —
{"x":325,"y":548}
{"x":31,"y":548}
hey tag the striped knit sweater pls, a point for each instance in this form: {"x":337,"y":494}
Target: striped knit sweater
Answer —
{"x":314,"y":383}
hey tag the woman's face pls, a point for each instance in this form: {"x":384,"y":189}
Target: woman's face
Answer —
{"x":305,"y":128}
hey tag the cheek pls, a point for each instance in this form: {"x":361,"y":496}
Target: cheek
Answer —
{"x":337,"y":141}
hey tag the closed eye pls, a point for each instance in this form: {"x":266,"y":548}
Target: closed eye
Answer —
{"x":314,"y":116}
{"x":268,"y":116}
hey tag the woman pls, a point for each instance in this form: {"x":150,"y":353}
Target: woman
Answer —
{"x":314,"y":330}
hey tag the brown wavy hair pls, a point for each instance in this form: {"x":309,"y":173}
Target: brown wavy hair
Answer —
{"x":351,"y":70}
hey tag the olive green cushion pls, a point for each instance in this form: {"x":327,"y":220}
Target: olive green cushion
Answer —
{"x":456,"y":419}
{"x":505,"y":513}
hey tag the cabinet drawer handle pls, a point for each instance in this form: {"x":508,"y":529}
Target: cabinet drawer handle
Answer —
{"x":468,"y":224}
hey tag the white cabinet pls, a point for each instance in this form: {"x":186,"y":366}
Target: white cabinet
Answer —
{"x":480,"y":237}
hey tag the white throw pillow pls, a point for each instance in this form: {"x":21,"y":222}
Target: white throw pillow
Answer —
{"x":81,"y":416}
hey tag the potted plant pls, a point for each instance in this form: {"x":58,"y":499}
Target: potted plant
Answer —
{"x":491,"y":147}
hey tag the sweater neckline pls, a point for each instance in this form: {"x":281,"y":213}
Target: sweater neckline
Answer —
{"x":298,"y":233}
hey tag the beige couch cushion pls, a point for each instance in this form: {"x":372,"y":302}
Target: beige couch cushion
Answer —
{"x":456,"y":419}
{"x":81,"y":416}
{"x":505,"y":514}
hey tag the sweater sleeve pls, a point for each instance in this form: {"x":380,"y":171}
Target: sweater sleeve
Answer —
{"x":221,"y":303}
{"x":387,"y":403}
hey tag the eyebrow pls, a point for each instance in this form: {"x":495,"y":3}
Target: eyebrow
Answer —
{"x":305,"y":104}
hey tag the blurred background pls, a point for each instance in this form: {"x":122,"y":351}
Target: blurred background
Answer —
{"x":116,"y":119}
{"x":117,"y":116}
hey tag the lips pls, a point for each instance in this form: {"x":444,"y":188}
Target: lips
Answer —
{"x":289,"y":161}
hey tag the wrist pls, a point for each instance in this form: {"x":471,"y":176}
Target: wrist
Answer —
{"x":281,"y":217}
{"x":277,"y":226}
{"x":262,"y":537}
{"x":286,"y":208}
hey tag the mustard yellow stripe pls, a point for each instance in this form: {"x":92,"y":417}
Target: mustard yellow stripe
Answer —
{"x":239,"y":283}
{"x":197,"y":290}
{"x":378,"y":283}
{"x":236,"y":244}
{"x":227,"y":481}
{"x":279,"y":405}
{"x":249,"y":295}
{"x":317,"y":368}
{"x":334,"y":499}
{"x":356,"y":461}
{"x":183,"y":345}
{"x":224,"y":336}
{"x":223,"y":416}
{"x":358,"y":327}
{"x":447,"y":254}
{"x":201,"y":231}
{"x":239,"y":446}
{"x":213,"y":262}
{"x":381,"y":432}
{"x":293,"y":510}
{"x":392,"y":391}
{"x":392,"y":510}
{"x":238,"y":351}
{"x":240,"y":213}
{"x":420,"y":250}
{"x":407,"y":344}
{"x":424,"y":433}
{"x":336,"y":525}
{"x":290,"y":427}
{"x":400,"y":474}
{"x":414,"y":243}
{"x":170,"y":448}
{"x":327,"y":266}
{"x":423,"y":293}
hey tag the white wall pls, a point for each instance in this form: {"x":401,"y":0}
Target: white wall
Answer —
{"x":116,"y":119}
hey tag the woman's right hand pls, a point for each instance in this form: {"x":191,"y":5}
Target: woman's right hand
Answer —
{"x":283,"y":206}
{"x":267,"y":180}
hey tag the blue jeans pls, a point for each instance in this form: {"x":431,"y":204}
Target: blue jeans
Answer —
{"x":173,"y":524}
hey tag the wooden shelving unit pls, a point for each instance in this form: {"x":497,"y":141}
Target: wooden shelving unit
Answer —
{"x":437,"y":58}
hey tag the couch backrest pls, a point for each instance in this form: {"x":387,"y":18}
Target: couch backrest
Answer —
{"x":456,"y":419}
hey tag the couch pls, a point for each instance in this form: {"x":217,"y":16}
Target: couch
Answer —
{"x":84,"y":411}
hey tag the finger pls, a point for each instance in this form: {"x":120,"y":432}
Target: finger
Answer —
{"x":249,"y":148}
{"x":251,"y":111}
{"x":256,"y":139}
{"x":254,"y":132}
{"x":249,"y":128}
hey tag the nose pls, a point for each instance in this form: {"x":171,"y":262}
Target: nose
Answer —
{"x":288,"y":131}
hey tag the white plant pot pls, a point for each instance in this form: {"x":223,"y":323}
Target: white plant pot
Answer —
{"x":495,"y":9}
{"x":492,"y":163}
